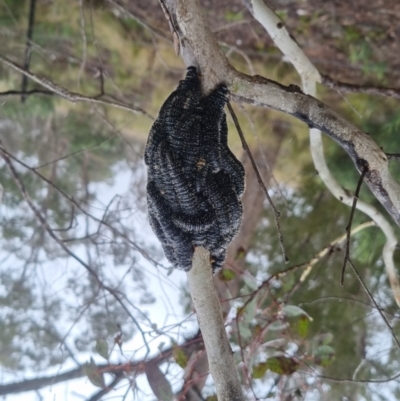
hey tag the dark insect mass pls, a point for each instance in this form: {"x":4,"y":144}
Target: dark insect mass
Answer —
{"x":194,"y":181}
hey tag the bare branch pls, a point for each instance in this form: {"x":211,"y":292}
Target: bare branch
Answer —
{"x":260,"y":180}
{"x":71,"y":96}
{"x":375,"y":304}
{"x":27,"y":60}
{"x":208,"y":310}
{"x":393,"y":156}
{"x":331,"y":246}
{"x":156,"y":31}
{"x":348,"y":227}
{"x":84,"y":41}
{"x":309,"y":264}
{"x":26,"y":93}
{"x":351,"y":88}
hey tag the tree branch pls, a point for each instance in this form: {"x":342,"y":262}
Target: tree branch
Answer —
{"x":291,"y":100}
{"x":351,"y":88}
{"x":191,"y":344}
{"x":26,"y":93}
{"x":208,"y":310}
{"x":29,"y":34}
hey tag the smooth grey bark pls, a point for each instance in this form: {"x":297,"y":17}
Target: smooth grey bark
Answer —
{"x":208,"y":310}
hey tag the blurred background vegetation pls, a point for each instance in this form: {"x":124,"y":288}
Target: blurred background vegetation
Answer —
{"x":52,"y":312}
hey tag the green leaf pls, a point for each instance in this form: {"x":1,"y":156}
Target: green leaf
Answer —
{"x":180,"y":357}
{"x":250,"y":311}
{"x":276,"y":344}
{"x":324,"y":350}
{"x":241,"y":253}
{"x":302,"y":326}
{"x":158,"y":382}
{"x":102,"y":348}
{"x":259,"y":370}
{"x":278,"y":364}
{"x":93,"y":374}
{"x":245,"y":333}
{"x":324,"y":355}
{"x":227,"y":275}
{"x":293,"y":310}
{"x":282,"y":365}
{"x":277,"y":325}
{"x":327,"y":338}
{"x":250,"y":281}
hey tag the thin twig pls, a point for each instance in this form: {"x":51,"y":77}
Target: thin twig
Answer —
{"x":241,"y":53}
{"x":31,"y":23}
{"x":348,"y":227}
{"x":84,"y":42}
{"x":172,"y":27}
{"x":260,"y":180}
{"x":393,"y":156}
{"x":26,"y":93}
{"x":264,"y":157}
{"x":76,"y":153}
{"x":153,"y":30}
{"x":71,"y":96}
{"x":331,"y":246}
{"x":374,"y":302}
{"x":351,"y":88}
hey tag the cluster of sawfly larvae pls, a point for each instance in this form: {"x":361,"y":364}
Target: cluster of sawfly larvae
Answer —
{"x":194,"y":181}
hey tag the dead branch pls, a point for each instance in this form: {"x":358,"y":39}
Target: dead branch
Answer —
{"x":375,"y":303}
{"x":26,"y":93}
{"x":352,"y":88}
{"x":348,"y":227}
{"x":260,"y":181}
{"x":32,"y":7}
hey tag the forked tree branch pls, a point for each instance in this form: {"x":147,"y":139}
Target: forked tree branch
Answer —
{"x":199,"y":46}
